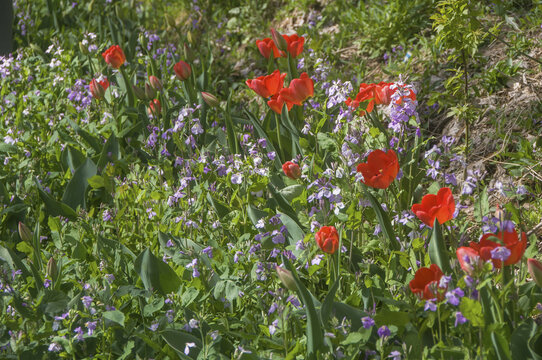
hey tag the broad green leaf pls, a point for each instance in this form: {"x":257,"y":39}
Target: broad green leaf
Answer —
{"x":178,"y":340}
{"x":437,"y":249}
{"x":115,"y":316}
{"x":315,"y":333}
{"x":54,"y":207}
{"x":472,"y":310}
{"x":72,"y":158}
{"x":325,"y":310}
{"x":75,"y":192}
{"x":295,"y":232}
{"x":500,"y":345}
{"x":156,"y":274}
{"x":520,"y":339}
{"x":535,"y":346}
{"x":292,"y":191}
{"x":110,"y":152}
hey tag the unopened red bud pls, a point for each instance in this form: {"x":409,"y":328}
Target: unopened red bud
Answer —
{"x":210,"y":99}
{"x":155,"y":83}
{"x":24,"y":233}
{"x":286,"y":277}
{"x":52,"y":269}
{"x":535,"y":269}
{"x":149,"y":91}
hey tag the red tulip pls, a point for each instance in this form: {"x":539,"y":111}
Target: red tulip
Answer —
{"x":97,"y":88}
{"x":114,"y":56}
{"x":366,"y":93}
{"x":376,"y":94}
{"x":440,"y":206}
{"x":182,"y":70}
{"x":425,"y":283}
{"x":277,"y":103}
{"x":294,"y":44}
{"x":155,"y":108}
{"x":509,"y":239}
{"x":267,"y":86}
{"x":291,"y":170}
{"x":380,"y":169}
{"x":327,"y":239}
{"x":469,"y":260}
{"x":535,"y":269}
{"x":299,"y":90}
{"x":266,"y":46}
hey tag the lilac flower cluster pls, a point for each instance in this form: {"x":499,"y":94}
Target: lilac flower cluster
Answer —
{"x":80,"y":95}
{"x":401,"y":109}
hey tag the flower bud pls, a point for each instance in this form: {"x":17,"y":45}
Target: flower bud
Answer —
{"x":149,"y":91}
{"x":190,"y":37}
{"x":210,"y":99}
{"x":155,"y":108}
{"x":291,"y":170}
{"x":52,"y":269}
{"x":535,"y":269}
{"x":24,"y":233}
{"x":279,"y":40}
{"x":83,"y":48}
{"x":182,"y":70}
{"x":139,"y":93}
{"x":97,"y":89}
{"x":155,"y":83}
{"x":286,"y":277}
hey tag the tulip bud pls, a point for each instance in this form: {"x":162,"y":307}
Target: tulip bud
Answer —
{"x":191,"y":39}
{"x":24,"y":233}
{"x":155,"y":83}
{"x":149,"y":91}
{"x":83,"y":48}
{"x":535,"y":269}
{"x":52,"y":269}
{"x":279,"y":40}
{"x":96,"y":89}
{"x":143,"y":40}
{"x":291,"y":170}
{"x":210,"y":99}
{"x":155,"y":108}
{"x":286,"y":277}
{"x":139,"y":93}
{"x":182,"y":70}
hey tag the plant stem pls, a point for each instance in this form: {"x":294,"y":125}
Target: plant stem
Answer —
{"x":467,"y":129}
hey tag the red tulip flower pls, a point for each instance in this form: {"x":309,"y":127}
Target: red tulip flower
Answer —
{"x":366,"y":93}
{"x":508,"y":239}
{"x":267,"y":86}
{"x":291,"y":170}
{"x":299,"y":90}
{"x":440,"y":206}
{"x":425,"y":284}
{"x":182,"y":70}
{"x":294,"y":44}
{"x":114,"y":56}
{"x":380,"y":169}
{"x":327,"y":239}
{"x":266,"y":46}
{"x":277,"y":103}
{"x":97,"y":88}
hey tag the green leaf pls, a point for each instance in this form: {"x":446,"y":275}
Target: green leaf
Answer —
{"x":178,"y":339}
{"x":535,"y":346}
{"x":437,"y":249}
{"x":325,"y":311}
{"x":54,"y":207}
{"x":472,"y":310}
{"x":384,"y":222}
{"x":110,"y":151}
{"x":292,"y":191}
{"x":221,"y":208}
{"x":156,"y":274}
{"x":295,"y":232}
{"x":500,"y":345}
{"x":75,"y":192}
{"x":315,"y":334}
{"x":115,"y":316}
{"x":72,"y":158}
{"x":520,"y":339}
